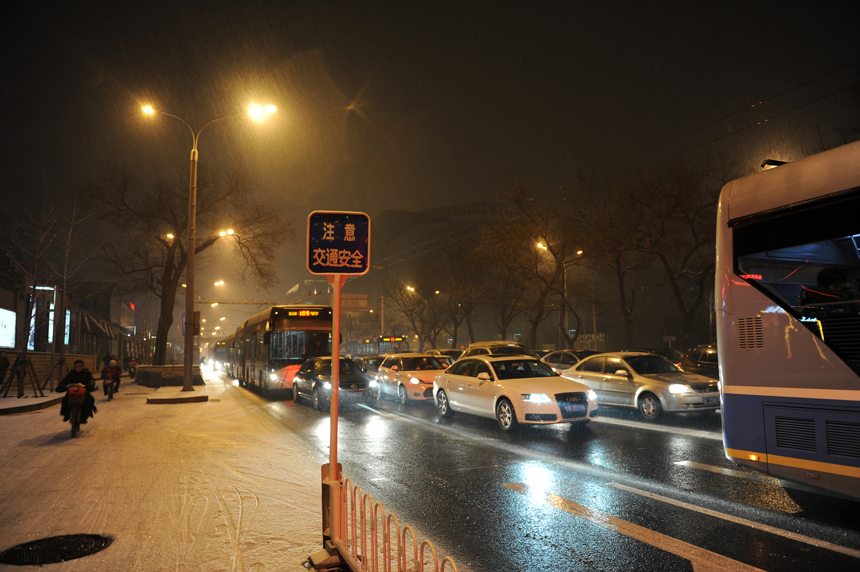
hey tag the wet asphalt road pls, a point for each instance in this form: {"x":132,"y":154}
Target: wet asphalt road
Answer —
{"x":619,"y":495}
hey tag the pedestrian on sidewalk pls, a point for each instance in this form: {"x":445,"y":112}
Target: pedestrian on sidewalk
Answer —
{"x":4,"y":365}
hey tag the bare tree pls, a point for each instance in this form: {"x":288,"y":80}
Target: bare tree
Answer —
{"x":607,"y":216}
{"x":149,"y":223}
{"x":420,"y":299}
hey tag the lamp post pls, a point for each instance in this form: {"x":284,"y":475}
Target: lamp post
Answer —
{"x":257,"y":113}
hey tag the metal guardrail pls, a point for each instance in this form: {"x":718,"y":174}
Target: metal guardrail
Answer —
{"x":361,"y":521}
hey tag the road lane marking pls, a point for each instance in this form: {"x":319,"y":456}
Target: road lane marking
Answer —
{"x":743,"y":521}
{"x":728,"y":472}
{"x":702,"y":560}
{"x":648,"y":426}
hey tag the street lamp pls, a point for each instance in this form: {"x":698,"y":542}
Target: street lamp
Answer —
{"x":258,"y":113}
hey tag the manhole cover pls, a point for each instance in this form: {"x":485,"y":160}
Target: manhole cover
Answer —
{"x":55,"y":549}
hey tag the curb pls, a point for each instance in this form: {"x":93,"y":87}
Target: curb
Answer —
{"x":30,"y":407}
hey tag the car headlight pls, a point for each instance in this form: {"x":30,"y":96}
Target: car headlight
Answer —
{"x":591,"y":395}
{"x":273,"y":376}
{"x":327,"y":385}
{"x":372,"y":383}
{"x":414,"y":380}
{"x":677,"y":388}
{"x":536,"y":398}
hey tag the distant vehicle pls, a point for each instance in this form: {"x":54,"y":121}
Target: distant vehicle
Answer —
{"x":408,"y":377}
{"x":541,"y":353}
{"x":368,"y":364}
{"x":788,"y":320}
{"x":560,"y":360}
{"x":513,"y":390}
{"x":497,"y":348}
{"x":314,"y":381}
{"x":445,"y":360}
{"x":582,"y":354}
{"x":647,"y":382}
{"x":376,"y":346}
{"x":266,"y":351}
{"x":702,"y":360}
{"x":670,"y":354}
{"x":451,"y":352}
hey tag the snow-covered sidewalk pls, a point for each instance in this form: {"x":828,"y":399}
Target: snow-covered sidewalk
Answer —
{"x":208,"y":486}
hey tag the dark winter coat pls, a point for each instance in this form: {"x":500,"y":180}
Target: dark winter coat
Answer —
{"x":85,"y":378}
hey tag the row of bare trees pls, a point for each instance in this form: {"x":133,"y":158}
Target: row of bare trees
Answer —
{"x":540,"y":257}
{"x":133,"y":237}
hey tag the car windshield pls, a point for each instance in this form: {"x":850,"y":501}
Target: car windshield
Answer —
{"x":650,"y":365}
{"x":372,"y":363}
{"x":346,"y":366}
{"x":510,"y":351}
{"x":420,"y":363}
{"x":517,"y":369}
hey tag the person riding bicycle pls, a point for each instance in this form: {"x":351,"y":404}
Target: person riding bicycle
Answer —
{"x":112,"y":372}
{"x":83,"y":376}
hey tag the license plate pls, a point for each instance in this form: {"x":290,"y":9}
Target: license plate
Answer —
{"x":711,"y":400}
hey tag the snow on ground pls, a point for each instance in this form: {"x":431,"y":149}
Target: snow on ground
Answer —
{"x":187,"y":487}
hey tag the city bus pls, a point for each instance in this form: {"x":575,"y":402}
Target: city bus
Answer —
{"x":375,"y":346}
{"x":266,"y":351}
{"x":788,"y":320}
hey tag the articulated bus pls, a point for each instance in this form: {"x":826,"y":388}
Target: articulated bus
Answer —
{"x":788,"y":320}
{"x":266,"y":351}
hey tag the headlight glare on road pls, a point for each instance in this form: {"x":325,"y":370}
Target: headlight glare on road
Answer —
{"x":414,"y":380}
{"x":591,"y":395}
{"x":678,"y":388}
{"x":536,"y":398}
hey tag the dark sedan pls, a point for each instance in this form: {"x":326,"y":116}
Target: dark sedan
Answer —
{"x":313,"y":381}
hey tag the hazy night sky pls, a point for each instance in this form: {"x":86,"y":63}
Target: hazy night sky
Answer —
{"x":410,"y":105}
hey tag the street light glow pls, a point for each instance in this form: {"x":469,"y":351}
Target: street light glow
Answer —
{"x":148,"y":109}
{"x":259,"y":112}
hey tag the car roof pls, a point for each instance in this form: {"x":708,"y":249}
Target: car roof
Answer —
{"x":496,"y":343}
{"x":620,"y":354}
{"x":503,"y":357}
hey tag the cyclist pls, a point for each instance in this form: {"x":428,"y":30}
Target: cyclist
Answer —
{"x":112,"y":372}
{"x":84,"y":377}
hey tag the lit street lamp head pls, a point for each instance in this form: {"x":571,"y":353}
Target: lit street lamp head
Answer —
{"x":259,"y":112}
{"x":148,"y":109}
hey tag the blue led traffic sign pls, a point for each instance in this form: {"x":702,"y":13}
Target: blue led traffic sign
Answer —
{"x":338,"y":243}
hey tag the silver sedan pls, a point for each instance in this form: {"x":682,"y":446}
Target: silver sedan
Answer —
{"x":647,"y":382}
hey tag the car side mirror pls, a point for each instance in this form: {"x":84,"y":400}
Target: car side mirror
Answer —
{"x":622,"y":372}
{"x":484,"y":376}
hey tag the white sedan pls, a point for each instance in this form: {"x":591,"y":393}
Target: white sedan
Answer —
{"x":513,"y":390}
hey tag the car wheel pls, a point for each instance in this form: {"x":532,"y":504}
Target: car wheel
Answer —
{"x":442,"y":404}
{"x":401,"y":394}
{"x":505,"y":415}
{"x":318,"y":401}
{"x":649,"y":407}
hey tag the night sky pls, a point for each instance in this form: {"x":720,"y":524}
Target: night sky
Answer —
{"x":411,"y":105}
